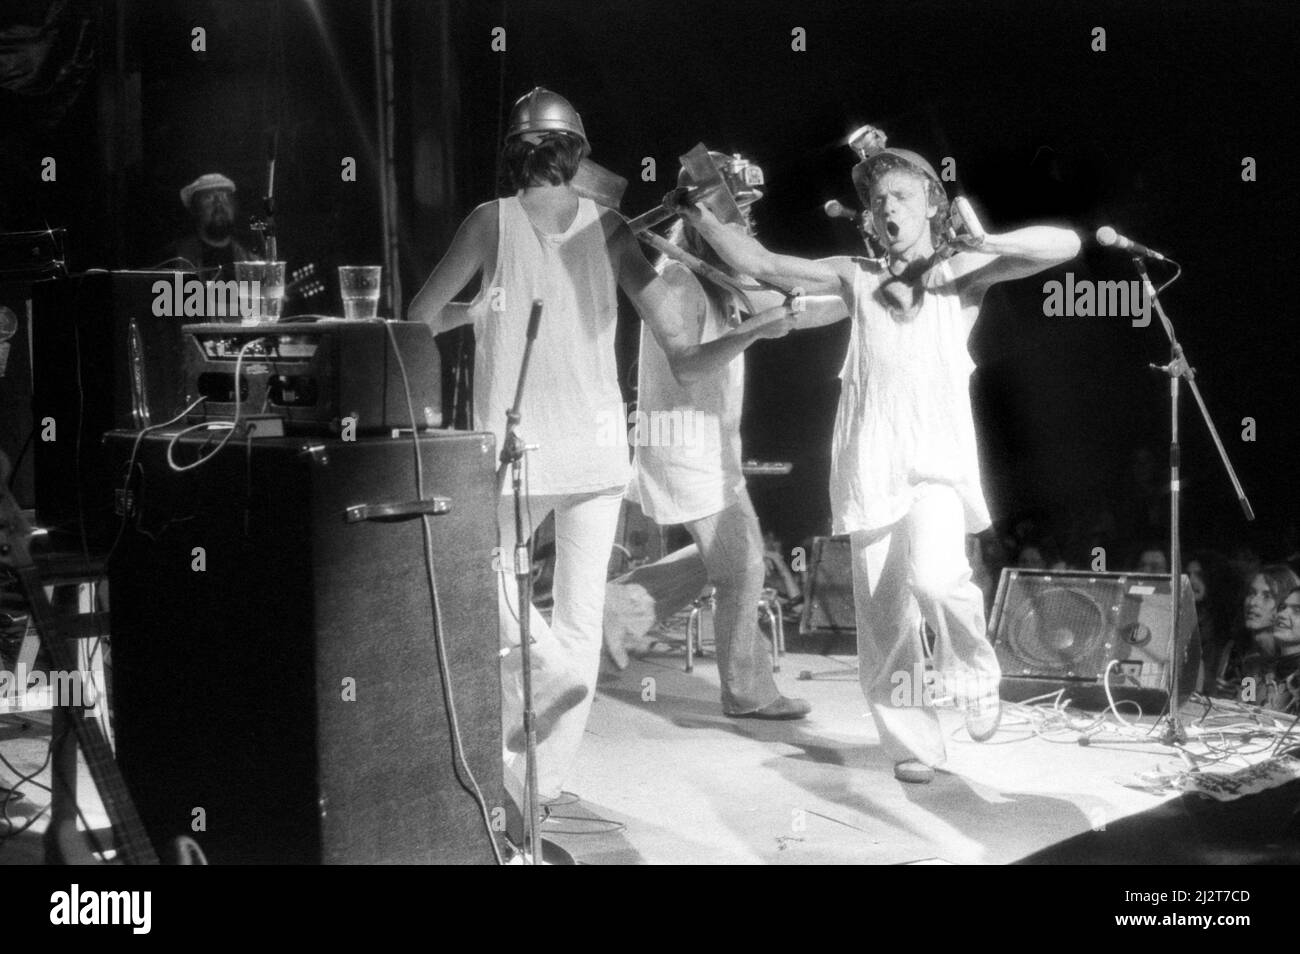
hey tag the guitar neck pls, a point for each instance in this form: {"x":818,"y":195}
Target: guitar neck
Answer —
{"x":133,"y":840}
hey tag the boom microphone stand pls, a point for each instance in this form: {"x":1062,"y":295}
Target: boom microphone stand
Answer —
{"x":1178,"y":371}
{"x":512,"y":458}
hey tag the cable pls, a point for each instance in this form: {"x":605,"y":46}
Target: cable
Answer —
{"x":23,"y":780}
{"x":229,"y":426}
{"x":18,"y":461}
{"x":1105,"y":681}
{"x":1178,"y":271}
{"x":444,"y":672}
{"x":131,"y":466}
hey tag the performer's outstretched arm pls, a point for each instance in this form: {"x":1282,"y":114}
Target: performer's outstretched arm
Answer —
{"x":831,"y":276}
{"x":662,"y":310}
{"x":818,"y":310}
{"x":1004,"y":257}
{"x":469,"y":254}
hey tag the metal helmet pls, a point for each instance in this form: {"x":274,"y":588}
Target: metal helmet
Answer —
{"x":541,"y":110}
{"x":865,"y":172}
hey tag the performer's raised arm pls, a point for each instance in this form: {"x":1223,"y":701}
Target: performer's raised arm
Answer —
{"x":1005,"y":257}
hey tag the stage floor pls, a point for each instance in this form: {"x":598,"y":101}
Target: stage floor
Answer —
{"x":665,"y":778}
{"x":695,"y":787}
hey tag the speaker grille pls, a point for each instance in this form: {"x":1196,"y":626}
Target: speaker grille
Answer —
{"x":1082,"y":632}
{"x":1056,"y":628}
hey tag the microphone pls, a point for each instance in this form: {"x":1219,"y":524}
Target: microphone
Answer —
{"x":534,"y":319}
{"x":1110,"y":238}
{"x":272,"y":147}
{"x":836,"y":210}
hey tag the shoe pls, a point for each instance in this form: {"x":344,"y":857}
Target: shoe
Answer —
{"x":612,"y":632}
{"x":910,"y":770}
{"x":983,"y":717}
{"x":615,"y":648}
{"x":780,"y":708}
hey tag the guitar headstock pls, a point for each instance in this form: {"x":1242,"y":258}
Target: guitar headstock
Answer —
{"x":14,"y":529}
{"x":304,"y":284}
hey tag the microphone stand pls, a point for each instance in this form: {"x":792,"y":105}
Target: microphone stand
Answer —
{"x":1178,"y":371}
{"x":512,"y":459}
{"x":266,"y":224}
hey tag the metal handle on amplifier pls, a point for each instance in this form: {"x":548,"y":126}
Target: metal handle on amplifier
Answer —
{"x":389,"y":512}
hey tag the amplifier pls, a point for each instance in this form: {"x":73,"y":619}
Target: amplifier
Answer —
{"x":1082,"y":631}
{"x":316,"y":374}
{"x":291,"y":684}
{"x":828,"y":588}
{"x":101,"y":358}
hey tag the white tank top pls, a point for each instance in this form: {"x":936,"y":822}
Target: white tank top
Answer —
{"x":904,"y":417}
{"x":571,"y":397}
{"x":687,"y":438}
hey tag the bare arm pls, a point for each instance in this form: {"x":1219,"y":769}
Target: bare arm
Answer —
{"x":818,"y":310}
{"x":1000,"y":258}
{"x":748,"y":257}
{"x":807,"y":311}
{"x":663,"y":312}
{"x":471,"y":250}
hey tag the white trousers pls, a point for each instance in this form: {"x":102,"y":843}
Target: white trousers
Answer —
{"x":565,"y":654}
{"x":912,"y":571}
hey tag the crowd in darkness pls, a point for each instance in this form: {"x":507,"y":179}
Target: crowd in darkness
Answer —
{"x":1247,"y":595}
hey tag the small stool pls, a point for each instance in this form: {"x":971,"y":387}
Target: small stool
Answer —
{"x":769,"y":606}
{"x":706,"y":601}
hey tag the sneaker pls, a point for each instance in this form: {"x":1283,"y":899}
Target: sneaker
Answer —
{"x":782,"y":707}
{"x":913,"y":771}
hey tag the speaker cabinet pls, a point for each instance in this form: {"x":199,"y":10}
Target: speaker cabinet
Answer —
{"x":83,"y":380}
{"x":828,"y":602}
{"x":276,"y":674}
{"x":1076,"y":631}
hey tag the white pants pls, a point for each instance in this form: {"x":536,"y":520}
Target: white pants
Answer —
{"x":565,"y":654}
{"x":912,"y":571}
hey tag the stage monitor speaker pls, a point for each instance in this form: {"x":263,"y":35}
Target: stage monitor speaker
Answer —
{"x":1076,"y":631}
{"x":275,"y":668}
{"x":82,"y":378}
{"x":828,"y":602}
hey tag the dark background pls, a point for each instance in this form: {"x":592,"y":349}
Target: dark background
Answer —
{"x":1148,"y":136}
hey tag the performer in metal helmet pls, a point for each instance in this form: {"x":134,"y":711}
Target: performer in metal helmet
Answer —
{"x":547,"y":242}
{"x":688,"y":471}
{"x":905,"y":480}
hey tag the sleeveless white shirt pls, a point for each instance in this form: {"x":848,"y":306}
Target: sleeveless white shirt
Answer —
{"x":571,"y":396}
{"x":687,"y":437}
{"x":904,"y":418}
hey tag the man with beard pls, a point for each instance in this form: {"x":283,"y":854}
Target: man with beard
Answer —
{"x":905,"y":482}
{"x":212,"y":249}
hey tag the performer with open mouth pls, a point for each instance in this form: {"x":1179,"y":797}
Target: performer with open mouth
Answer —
{"x":905,"y":480}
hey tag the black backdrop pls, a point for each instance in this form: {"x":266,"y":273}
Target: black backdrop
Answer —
{"x":1148,"y":136}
